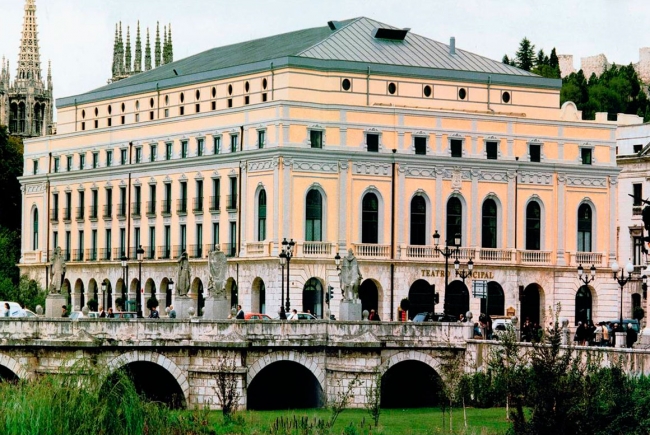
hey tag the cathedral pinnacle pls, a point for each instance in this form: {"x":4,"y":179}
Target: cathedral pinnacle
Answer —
{"x":127,"y":53}
{"x":29,"y":59}
{"x":137,"y":66}
{"x":147,"y":54}
{"x":157,"y":52}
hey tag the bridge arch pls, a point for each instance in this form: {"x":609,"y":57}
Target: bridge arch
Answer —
{"x":410,"y":370}
{"x":159,"y":360}
{"x":409,"y":355}
{"x":301,"y":359}
{"x":14,"y":366}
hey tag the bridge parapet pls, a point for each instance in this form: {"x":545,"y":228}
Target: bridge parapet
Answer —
{"x":200,"y":333}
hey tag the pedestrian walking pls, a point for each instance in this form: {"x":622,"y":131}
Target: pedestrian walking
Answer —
{"x":154,"y":313}
{"x":631,"y":336}
{"x":240,"y":313}
{"x":374,"y":316}
{"x":172,"y":312}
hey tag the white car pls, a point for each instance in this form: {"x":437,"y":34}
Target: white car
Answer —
{"x":75,"y":315}
{"x":15,"y":310}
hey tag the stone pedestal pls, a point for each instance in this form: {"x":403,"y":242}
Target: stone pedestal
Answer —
{"x":53,"y":304}
{"x":216,"y":309}
{"x":350,"y":310}
{"x":621,"y":339}
{"x":182,"y":304}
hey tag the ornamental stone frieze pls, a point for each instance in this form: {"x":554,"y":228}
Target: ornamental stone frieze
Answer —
{"x":419,"y":172}
{"x":315,"y":166}
{"x":261,"y":165}
{"x":586,"y":181}
{"x":35,"y":188}
{"x":535,"y":178}
{"x":369,"y":168}
{"x":492,"y":176}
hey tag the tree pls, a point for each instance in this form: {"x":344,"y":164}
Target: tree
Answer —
{"x":506,"y":60}
{"x":152,"y":302}
{"x":373,"y":397}
{"x":11,"y":167}
{"x":525,"y":55}
{"x":227,"y":385}
{"x":553,"y":61}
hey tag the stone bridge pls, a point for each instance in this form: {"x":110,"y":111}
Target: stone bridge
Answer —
{"x":279,"y":364}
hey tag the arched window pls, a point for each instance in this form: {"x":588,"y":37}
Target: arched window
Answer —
{"x":583,"y":305}
{"x":418,"y":221}
{"x":370,"y":219}
{"x":533,"y":226}
{"x":454,"y":219}
{"x":35,"y":231}
{"x":489,"y":226}
{"x":261,"y":216}
{"x":314,"y":217}
{"x":584,"y":228}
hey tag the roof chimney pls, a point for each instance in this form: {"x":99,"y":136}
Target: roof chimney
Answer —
{"x":452,"y":45}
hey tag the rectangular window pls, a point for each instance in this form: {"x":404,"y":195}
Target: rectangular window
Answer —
{"x":96,"y":123}
{"x":198,"y":201}
{"x":217,"y":144}
{"x":183,"y":238}
{"x":152,"y":243}
{"x":80,"y":209}
{"x":168,"y":150}
{"x":167,"y":203}
{"x":109,"y":122}
{"x":151,"y":116}
{"x":232,"y":198}
{"x":93,"y":205}
{"x":535,"y":152}
{"x":93,"y":246}
{"x":637,"y":148}
{"x":107,"y":245}
{"x":232,"y":249}
{"x":122,"y":210}
{"x":56,"y":165}
{"x":68,"y":204}
{"x":167,"y":242}
{"x":183,"y":149}
{"x":246,"y":100}
{"x":198,"y":251}
{"x":198,"y":108}
{"x":68,"y":163}
{"x":82,"y":161}
{"x":637,"y":191}
{"x":316,"y":138}
{"x":456,"y":146}
{"x":200,"y":146}
{"x":586,"y":156}
{"x":215,"y":234}
{"x":138,"y":200}
{"x":83,"y":126}
{"x":68,"y":241}
{"x":420,"y":144}
{"x":491,"y":150}
{"x":153,"y":152}
{"x":138,"y":155}
{"x":123,"y":243}
{"x":95,"y":160}
{"x":55,"y":239}
{"x":35,"y":167}
{"x":136,"y":242}
{"x":80,"y":245}
{"x":109,"y":203}
{"x":123,"y":156}
{"x":182,"y":202}
{"x":123,"y":119}
{"x":638,"y":250}
{"x":214,"y":105}
{"x":166,"y":113}
{"x":264,"y":97}
{"x":109,"y":158}
{"x":55,"y":208}
{"x":260,"y":138}
{"x":214,"y":201}
{"x":234,"y":139}
{"x":137,"y":117}
{"x":372,"y":142}
{"x":229,"y":102}
{"x":181,"y":110}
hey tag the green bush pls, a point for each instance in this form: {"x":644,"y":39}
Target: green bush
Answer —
{"x":93,"y":305}
{"x":152,"y":302}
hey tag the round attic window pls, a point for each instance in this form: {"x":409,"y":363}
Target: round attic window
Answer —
{"x":83,"y":114}
{"x":505,"y":97}
{"x":264,"y":83}
{"x":182,"y":97}
{"x":110,"y":109}
{"x":345,"y":84}
{"x":427,"y":91}
{"x":247,"y":86}
{"x":392,"y":88}
{"x":137,"y":105}
{"x":198,"y":95}
{"x":151,"y":102}
{"x":123,"y":107}
{"x":96,"y":111}
{"x":166,"y":100}
{"x":214,"y":92}
{"x":462,"y":93}
{"x":229,"y":89}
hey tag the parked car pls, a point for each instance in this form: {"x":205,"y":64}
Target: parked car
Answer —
{"x":30,"y":313}
{"x":422,"y":317}
{"x":257,"y":316}
{"x":501,"y":325}
{"x":15,"y":310}
{"x":304,"y":316}
{"x":633,"y":322}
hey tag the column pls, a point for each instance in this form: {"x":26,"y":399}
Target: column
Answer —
{"x":344,"y":174}
{"x":512,"y":212}
{"x":613,"y":181}
{"x":243,"y":205}
{"x":474,"y":211}
{"x":276,"y":207}
{"x":401,"y":205}
{"x":561,"y":242}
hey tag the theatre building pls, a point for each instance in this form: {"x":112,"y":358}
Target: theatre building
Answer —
{"x":352,"y":136}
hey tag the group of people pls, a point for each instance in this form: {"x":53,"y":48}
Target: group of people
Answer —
{"x":293,"y":315}
{"x":586,"y":334}
{"x":531,"y":331}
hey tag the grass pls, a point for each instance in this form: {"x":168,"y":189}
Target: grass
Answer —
{"x":357,"y":421}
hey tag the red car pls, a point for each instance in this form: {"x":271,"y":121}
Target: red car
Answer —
{"x":256,"y":316}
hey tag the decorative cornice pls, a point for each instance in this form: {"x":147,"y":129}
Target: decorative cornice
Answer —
{"x":498,"y":177}
{"x":315,"y":166}
{"x":535,"y":178}
{"x":370,"y":168}
{"x":587,"y":181}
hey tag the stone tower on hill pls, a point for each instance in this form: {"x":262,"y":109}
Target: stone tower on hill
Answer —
{"x":26,"y":104}
{"x":123,"y":67}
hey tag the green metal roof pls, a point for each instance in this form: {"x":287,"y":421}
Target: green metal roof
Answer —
{"x":350,"y":46}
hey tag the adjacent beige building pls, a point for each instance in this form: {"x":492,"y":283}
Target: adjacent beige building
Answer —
{"x":355,"y":135}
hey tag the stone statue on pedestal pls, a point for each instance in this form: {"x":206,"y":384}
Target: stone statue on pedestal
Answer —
{"x":57,"y":271}
{"x":218,"y":265}
{"x":184,"y":276}
{"x":350,"y":277}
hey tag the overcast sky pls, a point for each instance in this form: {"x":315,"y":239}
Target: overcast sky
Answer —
{"x":77,"y":35}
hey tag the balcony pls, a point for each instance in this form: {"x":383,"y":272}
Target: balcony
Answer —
{"x":108,"y":212}
{"x":230,"y":249}
{"x":151,"y":208}
{"x":136,"y":209}
{"x":164,"y":252}
{"x":92,"y":213}
{"x":535,"y":257}
{"x":197,"y":205}
{"x":105,"y":254}
{"x":231,"y":202}
{"x":66,"y":254}
{"x":371,"y":250}
{"x":424,"y":252}
{"x":315,"y":249}
{"x":195,"y":251}
{"x":32,"y":257}
{"x":54,"y":215}
{"x":166,"y":208}
{"x":121,"y":211}
{"x":257,"y":249}
{"x":118,"y":252}
{"x":91,"y":254}
{"x":149,"y":252}
{"x":587,"y":258}
{"x":178,"y":250}
{"x":78,"y":255}
{"x":214,"y":204}
{"x":496,"y":255}
{"x":80,"y":214}
{"x":67,"y":214}
{"x":181,"y":206}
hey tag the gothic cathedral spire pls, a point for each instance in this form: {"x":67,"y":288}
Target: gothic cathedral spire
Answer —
{"x":147,"y":54}
{"x":29,"y":58}
{"x":127,"y":53}
{"x":157,"y":52}
{"x":137,"y":66}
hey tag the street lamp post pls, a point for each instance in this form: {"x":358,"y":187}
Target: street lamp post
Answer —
{"x":283,"y":261}
{"x":447,"y":252}
{"x":464,"y":274}
{"x":629,"y":268}
{"x":104,"y":287}
{"x":138,"y":297}
{"x":287,"y":249}
{"x":586,"y":279}
{"x":124,"y":266}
